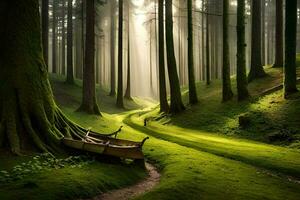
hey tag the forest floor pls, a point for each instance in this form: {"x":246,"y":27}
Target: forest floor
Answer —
{"x":201,"y":154}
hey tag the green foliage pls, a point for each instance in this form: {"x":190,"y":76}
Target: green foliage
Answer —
{"x":42,"y":163}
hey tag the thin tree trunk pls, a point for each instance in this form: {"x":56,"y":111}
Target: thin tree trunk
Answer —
{"x":279,"y":34}
{"x":256,"y":69}
{"x":112,"y":50}
{"x":241,"y":46}
{"x":176,"y":101}
{"x":120,"y":101}
{"x":89,"y":100}
{"x":192,"y":85}
{"x":263,"y":31}
{"x":63,"y":39}
{"x":227,"y":92}
{"x":70,"y":74}
{"x":54,"y":22}
{"x":45,"y":29}
{"x":290,"y":78}
{"x":128,"y":88}
{"x":164,"y":106}
{"x":207,"y":48}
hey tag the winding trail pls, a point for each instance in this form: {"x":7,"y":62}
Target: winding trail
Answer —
{"x":134,"y":190}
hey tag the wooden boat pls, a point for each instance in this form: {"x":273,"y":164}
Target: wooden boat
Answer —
{"x":107,"y":145}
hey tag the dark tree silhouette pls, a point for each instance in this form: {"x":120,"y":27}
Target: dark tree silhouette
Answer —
{"x":176,"y":101}
{"x":290,"y":77}
{"x":279,"y":34}
{"x":112,"y":50}
{"x":241,"y":46}
{"x":192,"y":85}
{"x":256,"y":68}
{"x":227,"y":92}
{"x":45,"y":29}
{"x":128,"y":88}
{"x":89,"y":100}
{"x":70,"y":73}
{"x":164,"y":106}
{"x":54,"y":23}
{"x":120,"y":100}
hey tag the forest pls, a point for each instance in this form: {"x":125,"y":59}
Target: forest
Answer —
{"x":149,"y":99}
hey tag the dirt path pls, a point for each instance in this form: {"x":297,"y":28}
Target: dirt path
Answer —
{"x":135,"y":190}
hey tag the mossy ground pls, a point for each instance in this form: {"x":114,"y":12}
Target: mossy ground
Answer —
{"x":202,"y":154}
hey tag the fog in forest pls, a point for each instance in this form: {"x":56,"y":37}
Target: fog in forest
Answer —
{"x":142,"y":31}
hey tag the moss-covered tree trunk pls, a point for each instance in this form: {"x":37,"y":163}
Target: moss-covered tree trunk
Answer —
{"x":192,"y":85}
{"x":89,"y":100}
{"x":120,"y":100}
{"x":279,"y":34}
{"x":29,"y":117}
{"x":45,"y":29}
{"x":70,"y":73}
{"x":164,"y":106}
{"x":54,"y":39}
{"x":226,"y":91}
{"x":290,"y":77}
{"x":241,"y":75}
{"x":256,"y":68}
{"x":112,"y":50}
{"x":176,"y":101}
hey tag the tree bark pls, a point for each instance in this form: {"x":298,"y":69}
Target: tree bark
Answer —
{"x":120,"y":100}
{"x":279,"y":34}
{"x":29,"y":117}
{"x":241,"y":46}
{"x":290,"y":77}
{"x":227,"y":92}
{"x":70,"y":74}
{"x":45,"y":29}
{"x":89,"y":100}
{"x":207,"y":47}
{"x":54,"y":23}
{"x":128,"y":88}
{"x":112,"y":50}
{"x":164,"y":106}
{"x":176,"y":101}
{"x":256,"y":68}
{"x":63,"y":39}
{"x":192,"y":85}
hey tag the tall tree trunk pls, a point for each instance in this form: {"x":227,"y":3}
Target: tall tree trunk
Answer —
{"x":256,"y":68}
{"x":70,"y":74}
{"x":279,"y":34}
{"x":263,"y":31}
{"x":89,"y":100}
{"x":112,"y":50}
{"x":203,"y":42}
{"x":290,"y":77}
{"x":192,"y":85}
{"x":128,"y":88}
{"x":54,"y":39}
{"x":45,"y":29}
{"x":241,"y":57}
{"x":120,"y":100}
{"x":164,"y":106}
{"x":176,"y":101}
{"x":63,"y":39}
{"x":207,"y":47}
{"x":29,"y":117}
{"x":227,"y":92}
